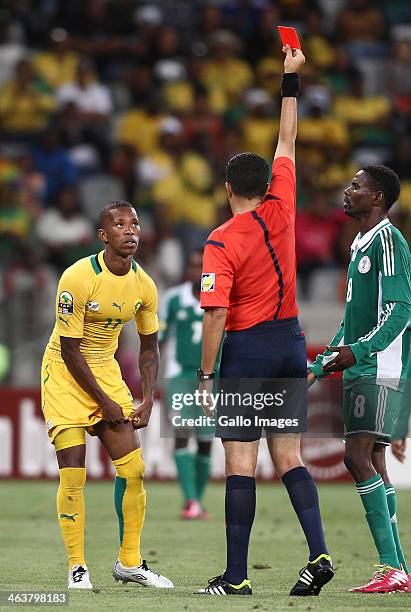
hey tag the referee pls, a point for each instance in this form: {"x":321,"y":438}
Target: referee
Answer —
{"x":249,"y":289}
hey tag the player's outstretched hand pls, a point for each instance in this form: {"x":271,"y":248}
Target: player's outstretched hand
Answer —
{"x":294,"y":59}
{"x":311,"y":378}
{"x":141,"y":415}
{"x":112,"y":412}
{"x":398,"y":449}
{"x":344,"y":360}
{"x":205,"y":388}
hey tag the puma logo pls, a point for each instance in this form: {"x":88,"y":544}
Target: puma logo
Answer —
{"x":69,"y":517}
{"x":119,"y":306}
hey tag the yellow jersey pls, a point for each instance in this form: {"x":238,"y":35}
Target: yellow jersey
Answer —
{"x":93,"y":304}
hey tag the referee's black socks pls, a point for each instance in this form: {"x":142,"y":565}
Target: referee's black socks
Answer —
{"x":239,"y":515}
{"x":304,"y":498}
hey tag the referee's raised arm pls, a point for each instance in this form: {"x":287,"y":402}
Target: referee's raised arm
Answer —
{"x":290,"y":85}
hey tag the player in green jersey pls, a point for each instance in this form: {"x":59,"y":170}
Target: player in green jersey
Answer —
{"x":401,"y":429}
{"x":373,"y":350}
{"x":181,"y":322}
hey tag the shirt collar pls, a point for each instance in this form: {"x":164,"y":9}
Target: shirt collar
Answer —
{"x":363,"y":241}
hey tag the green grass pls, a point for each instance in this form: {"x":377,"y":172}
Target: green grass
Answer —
{"x":191,"y":552}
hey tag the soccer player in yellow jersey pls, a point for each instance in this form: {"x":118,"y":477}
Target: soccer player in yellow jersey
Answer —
{"x":83,"y":390}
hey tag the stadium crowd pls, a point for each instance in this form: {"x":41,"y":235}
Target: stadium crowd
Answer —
{"x":147,"y":100}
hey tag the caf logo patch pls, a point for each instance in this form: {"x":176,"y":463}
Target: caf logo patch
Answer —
{"x":66,"y":303}
{"x":137,"y":305}
{"x":364,"y":264}
{"x":208,"y":282}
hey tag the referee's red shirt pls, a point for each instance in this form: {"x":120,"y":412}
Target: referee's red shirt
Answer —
{"x":249,"y":263}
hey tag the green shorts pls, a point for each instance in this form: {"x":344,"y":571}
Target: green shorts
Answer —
{"x":371,"y":408}
{"x":402,"y":425}
{"x":185,"y":415}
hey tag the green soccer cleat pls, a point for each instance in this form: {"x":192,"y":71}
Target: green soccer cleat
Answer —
{"x":313,"y":577}
{"x":218,"y":586}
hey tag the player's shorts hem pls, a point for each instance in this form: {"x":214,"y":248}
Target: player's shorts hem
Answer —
{"x":237,"y":438}
{"x":54,"y":431}
{"x":379,"y":434}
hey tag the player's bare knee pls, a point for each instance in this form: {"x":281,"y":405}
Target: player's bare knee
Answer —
{"x":282,"y":465}
{"x":358,"y":464}
{"x":72,"y":457}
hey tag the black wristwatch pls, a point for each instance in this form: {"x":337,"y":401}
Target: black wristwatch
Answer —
{"x":201,"y":376}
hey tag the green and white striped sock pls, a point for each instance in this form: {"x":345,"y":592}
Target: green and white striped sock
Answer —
{"x":374,"y":500}
{"x":392,"y":508}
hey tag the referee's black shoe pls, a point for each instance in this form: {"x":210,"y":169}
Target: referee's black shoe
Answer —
{"x":314,"y":576}
{"x":218,"y":586}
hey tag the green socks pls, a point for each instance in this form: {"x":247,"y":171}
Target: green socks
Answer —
{"x":392,"y":508}
{"x":193,"y":471}
{"x":374,"y":500}
{"x":186,"y":472}
{"x":203,"y":463}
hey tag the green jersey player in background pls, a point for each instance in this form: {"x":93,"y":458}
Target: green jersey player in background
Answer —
{"x":373,"y":350}
{"x":401,"y":429}
{"x":181,"y":323}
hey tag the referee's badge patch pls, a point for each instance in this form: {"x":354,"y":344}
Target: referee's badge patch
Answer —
{"x":364,"y":264}
{"x":66,"y":303}
{"x":208,"y":282}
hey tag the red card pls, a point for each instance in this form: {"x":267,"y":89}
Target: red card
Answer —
{"x":289,"y":36}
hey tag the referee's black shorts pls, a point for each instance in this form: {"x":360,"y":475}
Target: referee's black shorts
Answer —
{"x":263,"y":381}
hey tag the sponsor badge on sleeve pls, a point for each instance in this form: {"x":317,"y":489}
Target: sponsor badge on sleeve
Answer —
{"x":208,"y":282}
{"x":66,"y":303}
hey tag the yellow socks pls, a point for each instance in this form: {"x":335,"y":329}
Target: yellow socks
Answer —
{"x":70,"y":513}
{"x":130,"y":501}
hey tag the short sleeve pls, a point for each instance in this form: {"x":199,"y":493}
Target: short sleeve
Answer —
{"x":72,"y":297}
{"x":395,"y":268}
{"x":146,"y":316}
{"x":282,"y":189}
{"x":218,"y":274}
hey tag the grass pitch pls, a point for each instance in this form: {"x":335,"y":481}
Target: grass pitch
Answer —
{"x":191,"y":552}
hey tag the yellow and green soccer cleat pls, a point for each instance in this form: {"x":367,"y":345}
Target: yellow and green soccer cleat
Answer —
{"x":313,"y":577}
{"x":218,"y":586}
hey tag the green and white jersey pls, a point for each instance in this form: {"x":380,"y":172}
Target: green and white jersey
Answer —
{"x":377,"y":309}
{"x":181,"y":323}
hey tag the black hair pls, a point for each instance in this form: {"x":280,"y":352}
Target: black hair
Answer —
{"x":247,"y":174}
{"x":111,"y":206}
{"x":381,"y":178}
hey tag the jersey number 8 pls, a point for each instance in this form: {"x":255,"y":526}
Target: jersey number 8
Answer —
{"x":349,"y":290}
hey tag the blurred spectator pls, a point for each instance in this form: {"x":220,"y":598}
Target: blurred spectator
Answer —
{"x":366,"y":116}
{"x":123,"y":165}
{"x":11,"y":51}
{"x":319,"y":130}
{"x":58,"y":64}
{"x":360,"y":26}
{"x":52,"y":160}
{"x":81,"y":143}
{"x":203,"y":130}
{"x":398,"y":77}
{"x":90,"y":97}
{"x":317,"y":228}
{"x":178,"y":91}
{"x":32,"y":185}
{"x":225,"y":75}
{"x":141,"y":127}
{"x":14,"y":218}
{"x":25,"y":103}
{"x":64,"y":230}
{"x":259,"y":127}
{"x":183,"y":189}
